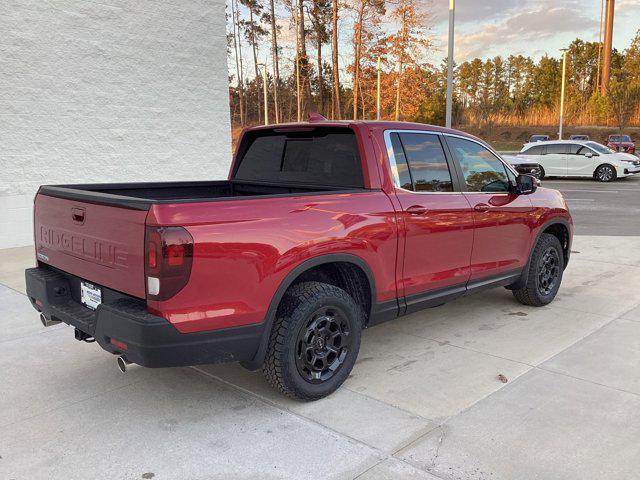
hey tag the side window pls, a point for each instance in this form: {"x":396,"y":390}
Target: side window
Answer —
{"x":427,"y":163}
{"x":574,"y":149}
{"x":482,"y":170}
{"x":401,"y":169}
{"x":557,"y":148}
{"x":537,"y":150}
{"x":583,"y":150}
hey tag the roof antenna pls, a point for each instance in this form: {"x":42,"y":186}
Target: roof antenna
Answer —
{"x":316,"y":117}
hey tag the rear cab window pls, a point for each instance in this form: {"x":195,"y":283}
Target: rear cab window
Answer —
{"x":323,"y":156}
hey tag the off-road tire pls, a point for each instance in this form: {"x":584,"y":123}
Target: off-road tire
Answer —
{"x":537,"y":291}
{"x":297,"y":308}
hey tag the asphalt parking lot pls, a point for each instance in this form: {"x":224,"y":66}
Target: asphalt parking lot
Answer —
{"x":602,"y":208}
{"x":424,"y":400}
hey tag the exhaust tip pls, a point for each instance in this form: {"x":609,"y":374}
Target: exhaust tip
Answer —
{"x":46,"y":322}
{"x":122,"y":364}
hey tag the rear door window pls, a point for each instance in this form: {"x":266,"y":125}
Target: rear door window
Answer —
{"x":557,"y":148}
{"x":324,"y":157}
{"x":427,"y":162}
{"x":401,"y":168}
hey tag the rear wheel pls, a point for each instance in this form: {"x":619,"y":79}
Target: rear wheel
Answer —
{"x":545,"y":273}
{"x":605,"y":173}
{"x":314,"y":341}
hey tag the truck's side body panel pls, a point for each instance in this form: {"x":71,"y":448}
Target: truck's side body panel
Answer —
{"x":502,"y":233}
{"x":244,"y":249}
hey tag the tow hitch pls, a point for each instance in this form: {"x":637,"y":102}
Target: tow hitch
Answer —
{"x":83,"y":337}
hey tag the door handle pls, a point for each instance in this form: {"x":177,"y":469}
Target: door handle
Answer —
{"x":416,"y":210}
{"x":481,"y":207}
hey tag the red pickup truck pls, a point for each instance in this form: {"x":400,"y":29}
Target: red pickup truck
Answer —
{"x":322,"y":229}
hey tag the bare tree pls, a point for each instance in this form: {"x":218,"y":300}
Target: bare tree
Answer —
{"x":320,"y":13}
{"x":237,"y":45}
{"x":335,"y":104}
{"x":408,"y":43}
{"x":363,"y":10}
{"x":274,"y":55}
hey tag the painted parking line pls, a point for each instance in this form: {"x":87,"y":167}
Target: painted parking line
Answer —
{"x":593,"y":191}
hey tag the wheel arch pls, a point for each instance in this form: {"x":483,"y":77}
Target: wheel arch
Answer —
{"x":560,"y":228}
{"x":305,"y":271}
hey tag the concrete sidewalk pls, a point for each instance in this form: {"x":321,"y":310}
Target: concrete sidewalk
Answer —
{"x":423,"y":401}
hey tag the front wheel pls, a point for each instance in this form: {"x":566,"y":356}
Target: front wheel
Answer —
{"x":314,"y":341}
{"x":541,"y":174}
{"x":545,"y":273}
{"x":605,"y":173}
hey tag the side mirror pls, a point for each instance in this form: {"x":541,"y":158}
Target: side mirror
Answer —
{"x":589,"y":154}
{"x":526,"y":184}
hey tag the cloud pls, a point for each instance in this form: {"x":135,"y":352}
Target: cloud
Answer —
{"x":626,"y":7}
{"x":521,"y":29}
{"x":476,"y":10}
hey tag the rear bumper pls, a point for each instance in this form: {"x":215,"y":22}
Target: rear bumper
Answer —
{"x":150,"y":340}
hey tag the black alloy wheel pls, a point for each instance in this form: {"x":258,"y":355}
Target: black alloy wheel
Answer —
{"x":323,"y":345}
{"x":314,"y":342}
{"x":548,"y":270}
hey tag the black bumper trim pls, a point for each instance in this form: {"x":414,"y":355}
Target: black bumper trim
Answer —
{"x":151,"y":341}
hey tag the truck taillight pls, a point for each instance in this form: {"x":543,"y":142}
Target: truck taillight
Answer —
{"x":168,"y":255}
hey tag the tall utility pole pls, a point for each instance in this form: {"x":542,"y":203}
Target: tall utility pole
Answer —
{"x":378,"y":91}
{"x":564,"y":76}
{"x":452,"y":11}
{"x":264,"y":93}
{"x":608,"y":42}
{"x":597,"y":86}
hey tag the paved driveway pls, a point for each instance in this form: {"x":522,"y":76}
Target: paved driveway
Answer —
{"x":424,"y":400}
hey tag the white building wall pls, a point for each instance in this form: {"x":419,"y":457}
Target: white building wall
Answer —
{"x":108,"y":90}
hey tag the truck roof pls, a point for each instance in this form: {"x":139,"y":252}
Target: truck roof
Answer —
{"x":378,"y":124}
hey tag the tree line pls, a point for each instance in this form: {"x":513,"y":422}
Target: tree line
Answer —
{"x":317,"y":71}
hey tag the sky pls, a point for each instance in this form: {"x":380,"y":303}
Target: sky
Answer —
{"x":483,"y":28}
{"x":486,"y":28}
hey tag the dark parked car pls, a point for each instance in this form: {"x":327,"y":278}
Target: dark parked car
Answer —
{"x":583,"y":138}
{"x":538,"y":138}
{"x":621,"y":143}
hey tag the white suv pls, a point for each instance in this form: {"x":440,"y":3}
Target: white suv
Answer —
{"x":573,"y":158}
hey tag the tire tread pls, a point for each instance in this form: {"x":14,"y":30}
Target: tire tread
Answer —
{"x":274,"y":367}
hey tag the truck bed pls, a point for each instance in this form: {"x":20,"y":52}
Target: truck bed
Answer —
{"x":141,"y":196}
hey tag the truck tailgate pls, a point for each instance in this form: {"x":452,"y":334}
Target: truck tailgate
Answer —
{"x":99,"y":243}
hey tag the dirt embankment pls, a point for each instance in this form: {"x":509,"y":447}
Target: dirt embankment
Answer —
{"x":512,"y":138}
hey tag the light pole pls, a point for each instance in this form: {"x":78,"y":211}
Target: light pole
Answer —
{"x":264,"y":92}
{"x":564,"y":74}
{"x":452,"y":10}
{"x":378,"y":92}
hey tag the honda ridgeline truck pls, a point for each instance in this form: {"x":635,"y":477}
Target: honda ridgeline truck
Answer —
{"x":321,"y":230}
